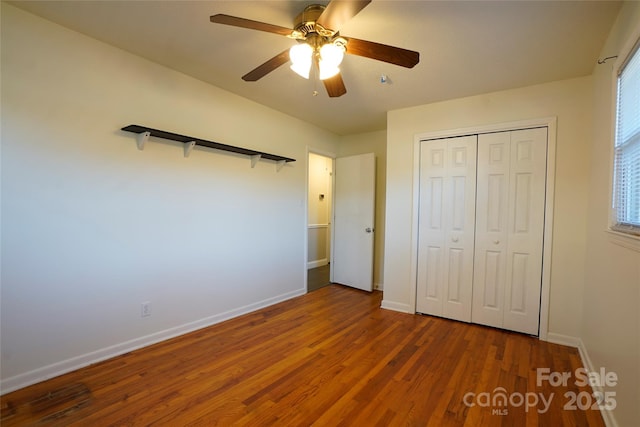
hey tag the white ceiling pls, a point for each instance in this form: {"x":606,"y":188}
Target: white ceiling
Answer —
{"x":466,"y":48}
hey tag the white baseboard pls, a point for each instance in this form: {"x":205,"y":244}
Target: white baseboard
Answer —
{"x":607,"y":416}
{"x":395,"y":306}
{"x":564,"y":340}
{"x":74,"y":363}
{"x":317,"y":263}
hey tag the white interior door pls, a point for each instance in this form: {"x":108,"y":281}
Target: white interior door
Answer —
{"x":509,"y":229}
{"x":446,"y":227}
{"x":353,"y":225}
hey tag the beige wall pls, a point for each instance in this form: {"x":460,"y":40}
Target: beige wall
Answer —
{"x":372,"y":142}
{"x":611,"y":322}
{"x":570,"y":101}
{"x":92,"y":227}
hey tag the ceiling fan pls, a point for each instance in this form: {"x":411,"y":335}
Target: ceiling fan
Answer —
{"x":319,"y":43}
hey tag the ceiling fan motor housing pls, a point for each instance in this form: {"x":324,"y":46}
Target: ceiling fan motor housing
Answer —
{"x":306,"y":23}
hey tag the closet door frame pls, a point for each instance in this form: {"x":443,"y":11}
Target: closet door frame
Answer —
{"x":550,"y":123}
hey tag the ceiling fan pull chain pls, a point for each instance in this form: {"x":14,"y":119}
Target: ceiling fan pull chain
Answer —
{"x":315,"y":83}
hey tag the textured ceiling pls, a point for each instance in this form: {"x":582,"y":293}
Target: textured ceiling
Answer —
{"x":466,"y":48}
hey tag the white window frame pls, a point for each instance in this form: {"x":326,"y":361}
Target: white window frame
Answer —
{"x":625,"y":236}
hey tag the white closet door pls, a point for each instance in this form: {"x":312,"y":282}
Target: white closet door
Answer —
{"x":491,"y":228}
{"x":526,"y":230}
{"x":509,"y":229}
{"x":446,"y":227}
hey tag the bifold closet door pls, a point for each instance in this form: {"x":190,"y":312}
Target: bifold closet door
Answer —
{"x":509,"y":229}
{"x":446,"y":221}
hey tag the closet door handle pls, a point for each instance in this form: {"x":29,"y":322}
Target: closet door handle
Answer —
{"x":454,"y":239}
{"x":495,"y":242}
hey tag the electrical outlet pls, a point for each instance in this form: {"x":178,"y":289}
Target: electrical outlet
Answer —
{"x":145,"y":309}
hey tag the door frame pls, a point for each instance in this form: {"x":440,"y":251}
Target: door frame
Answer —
{"x":332,"y":156}
{"x":551,"y":124}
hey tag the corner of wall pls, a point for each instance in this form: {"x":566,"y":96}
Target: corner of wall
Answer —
{"x":395,"y":306}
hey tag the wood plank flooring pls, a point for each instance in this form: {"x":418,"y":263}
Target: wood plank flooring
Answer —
{"x":329,"y":358}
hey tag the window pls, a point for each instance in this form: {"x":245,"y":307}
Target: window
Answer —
{"x":626,"y":189}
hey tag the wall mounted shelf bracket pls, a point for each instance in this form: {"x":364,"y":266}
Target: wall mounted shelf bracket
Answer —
{"x":143,"y":134}
{"x":142,"y":139}
{"x":188,"y":146}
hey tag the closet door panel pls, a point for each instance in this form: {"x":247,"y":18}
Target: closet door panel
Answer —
{"x":526,"y":230}
{"x":431,"y":228}
{"x":455,"y":285}
{"x":460,"y":227}
{"x":446,"y":227}
{"x":490,"y":263}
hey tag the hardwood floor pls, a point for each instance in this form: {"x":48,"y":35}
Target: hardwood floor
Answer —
{"x":331,"y":357}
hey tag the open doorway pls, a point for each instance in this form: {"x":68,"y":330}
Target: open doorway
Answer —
{"x":320,"y":201}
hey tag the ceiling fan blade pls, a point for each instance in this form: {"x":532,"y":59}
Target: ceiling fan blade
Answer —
{"x":248,"y":23}
{"x":338,"y":12}
{"x":382,"y":52}
{"x":267,"y":67}
{"x":335,"y":86}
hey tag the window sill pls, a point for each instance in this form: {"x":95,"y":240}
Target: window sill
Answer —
{"x":626,"y":240}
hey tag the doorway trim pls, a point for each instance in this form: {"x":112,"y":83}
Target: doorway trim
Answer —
{"x":332,"y":156}
{"x":551,"y":124}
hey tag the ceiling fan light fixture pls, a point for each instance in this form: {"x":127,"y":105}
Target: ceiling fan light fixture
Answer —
{"x":332,"y":54}
{"x":301,"y":57}
{"x":327,"y":71}
{"x":302,"y":70}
